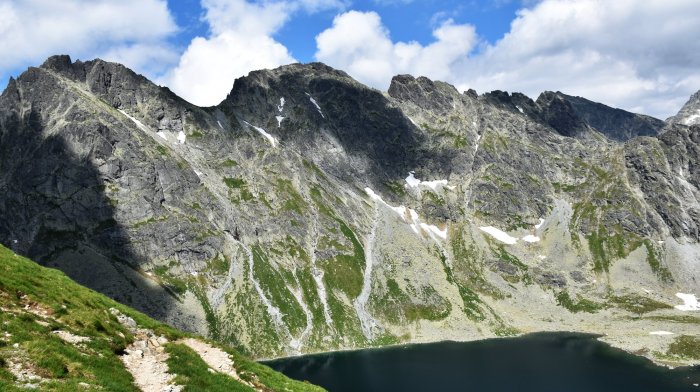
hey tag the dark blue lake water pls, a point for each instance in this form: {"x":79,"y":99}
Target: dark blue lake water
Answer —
{"x":533,"y":363}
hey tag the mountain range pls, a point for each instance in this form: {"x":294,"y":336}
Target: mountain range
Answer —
{"x":307,"y":212}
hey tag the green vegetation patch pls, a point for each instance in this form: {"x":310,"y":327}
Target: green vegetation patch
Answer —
{"x":311,"y":166}
{"x":346,"y":271}
{"x":468,"y":264}
{"x":219,"y":265}
{"x":396,"y":187}
{"x":195,"y":375}
{"x":149,"y":221}
{"x":434,"y":198}
{"x":318,"y":199}
{"x":654,"y":260}
{"x":345,"y":320}
{"x":162,"y":150}
{"x":685,"y":346}
{"x":73,"y":308}
{"x":471,"y":301}
{"x":238,"y":184}
{"x":503,"y":255}
{"x":423,"y":304}
{"x":234,"y":183}
{"x":294,"y":201}
{"x":274,"y":283}
{"x":637,"y":304}
{"x":580,"y":305}
{"x":229,"y":163}
{"x":266,"y":378}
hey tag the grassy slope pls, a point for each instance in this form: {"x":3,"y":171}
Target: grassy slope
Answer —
{"x":34,"y":301}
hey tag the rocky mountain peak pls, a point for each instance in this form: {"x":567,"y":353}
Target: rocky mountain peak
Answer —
{"x":423,"y":92}
{"x":558,"y":112}
{"x":515,"y":102}
{"x":58,"y":63}
{"x":689,"y":113}
{"x":576,"y":116}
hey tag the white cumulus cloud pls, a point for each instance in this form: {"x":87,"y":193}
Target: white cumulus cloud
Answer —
{"x":241,"y":40}
{"x":135,"y":30}
{"x":359,"y":44}
{"x":638,"y":55}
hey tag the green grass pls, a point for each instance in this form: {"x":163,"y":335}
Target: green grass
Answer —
{"x":637,"y":304}
{"x":685,"y":346}
{"x":73,"y":308}
{"x":685,"y":319}
{"x":396,"y":187}
{"x":434,"y":198}
{"x":580,"y":305}
{"x":194,"y":373}
{"x":234,"y":183}
{"x":162,"y":150}
{"x":229,"y":163}
{"x":345,"y":271}
{"x":149,"y":221}
{"x":294,"y":201}
{"x":503,"y":255}
{"x":398,"y":306}
{"x":314,"y":168}
{"x":470,"y":299}
{"x":219,"y":265}
{"x":274,"y":283}
{"x":323,"y":208}
{"x":83,"y":312}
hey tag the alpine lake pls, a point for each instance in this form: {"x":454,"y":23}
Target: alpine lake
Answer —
{"x":541,"y":362}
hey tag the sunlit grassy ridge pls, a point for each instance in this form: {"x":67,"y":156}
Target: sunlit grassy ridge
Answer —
{"x":37,"y":302}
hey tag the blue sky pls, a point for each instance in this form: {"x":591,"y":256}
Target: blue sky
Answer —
{"x":407,"y":21}
{"x":640,"y":55}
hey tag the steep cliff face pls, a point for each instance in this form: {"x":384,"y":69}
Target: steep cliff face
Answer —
{"x":308,"y":212}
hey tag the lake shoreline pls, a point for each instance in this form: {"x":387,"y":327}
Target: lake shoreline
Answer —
{"x":549,"y":359}
{"x":597,"y":336}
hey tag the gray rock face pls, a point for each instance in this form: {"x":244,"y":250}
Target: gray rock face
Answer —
{"x":615,"y":124}
{"x":308,"y":212}
{"x":689,"y":113}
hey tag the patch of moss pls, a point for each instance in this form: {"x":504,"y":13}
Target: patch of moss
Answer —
{"x":234,"y":183}
{"x":219,"y":265}
{"x":637,"y":304}
{"x":580,"y":305}
{"x":149,"y":221}
{"x":345,"y":271}
{"x":685,"y":346}
{"x":275,"y":283}
{"x":229,"y":163}
{"x":425,"y":304}
{"x":434,"y":198}
{"x":654,"y":260}
{"x":195,"y":374}
{"x":294,"y":201}
{"x":311,"y":166}
{"x":460,"y":141}
{"x":396,"y":187}
{"x":318,"y":199}
{"x":503,"y":255}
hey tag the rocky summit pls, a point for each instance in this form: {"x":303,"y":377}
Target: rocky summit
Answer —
{"x":307,"y":212}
